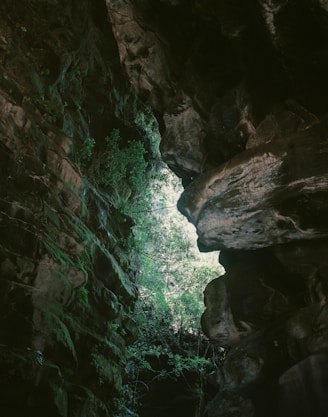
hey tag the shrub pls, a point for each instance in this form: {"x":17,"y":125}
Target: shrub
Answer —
{"x":117,"y":168}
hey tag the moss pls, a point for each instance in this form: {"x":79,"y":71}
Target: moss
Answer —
{"x":60,"y":400}
{"x":56,"y":327}
{"x":71,"y":87}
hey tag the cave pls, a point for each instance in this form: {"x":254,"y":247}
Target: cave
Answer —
{"x":96,"y":96}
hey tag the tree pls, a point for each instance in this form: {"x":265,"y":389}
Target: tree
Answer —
{"x":171,"y":277}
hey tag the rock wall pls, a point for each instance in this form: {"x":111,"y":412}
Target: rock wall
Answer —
{"x":66,"y":287}
{"x":240,"y":92}
{"x":239,"y":89}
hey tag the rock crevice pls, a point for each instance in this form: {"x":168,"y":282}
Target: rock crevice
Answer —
{"x":243,"y":112}
{"x":239,"y":89}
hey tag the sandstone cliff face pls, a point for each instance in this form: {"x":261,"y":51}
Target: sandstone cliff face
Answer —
{"x":66,"y":294}
{"x":240,"y":90}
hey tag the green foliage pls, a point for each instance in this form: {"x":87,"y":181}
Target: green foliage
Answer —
{"x":157,"y":339}
{"x":126,"y":103}
{"x":171,"y":279}
{"x":161,"y":258}
{"x":53,"y":109}
{"x":62,"y":219}
{"x":106,"y":363}
{"x":82,"y":296}
{"x":92,"y":405}
{"x":49,"y":214}
{"x":147,"y":124}
{"x":118,"y":168}
{"x":56,"y":326}
{"x":117,"y":173}
{"x":49,"y":103}
{"x":84,"y":154}
{"x":74,"y":73}
{"x":101,"y":365}
{"x":180,"y":363}
{"x":56,"y":251}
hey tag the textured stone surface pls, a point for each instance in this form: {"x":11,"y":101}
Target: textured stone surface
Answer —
{"x":65,"y":289}
{"x":243,"y":118}
{"x":240,"y":92}
{"x":236,"y":308}
{"x":282,"y":337}
{"x":272,"y":194}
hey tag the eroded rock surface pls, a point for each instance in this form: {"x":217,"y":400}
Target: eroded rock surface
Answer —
{"x":272,"y":194}
{"x":242,"y":102}
{"x":240,"y":92}
{"x":65,"y":288}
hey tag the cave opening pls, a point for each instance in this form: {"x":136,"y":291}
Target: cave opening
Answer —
{"x":167,"y":366}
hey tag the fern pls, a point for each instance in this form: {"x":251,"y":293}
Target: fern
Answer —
{"x":59,"y":329}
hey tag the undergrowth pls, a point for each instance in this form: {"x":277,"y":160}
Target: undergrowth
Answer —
{"x":121,"y":220}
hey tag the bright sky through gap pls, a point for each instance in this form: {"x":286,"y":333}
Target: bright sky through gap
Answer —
{"x":173,"y":189}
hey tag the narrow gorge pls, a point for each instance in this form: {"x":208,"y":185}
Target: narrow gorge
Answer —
{"x":238,"y":91}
